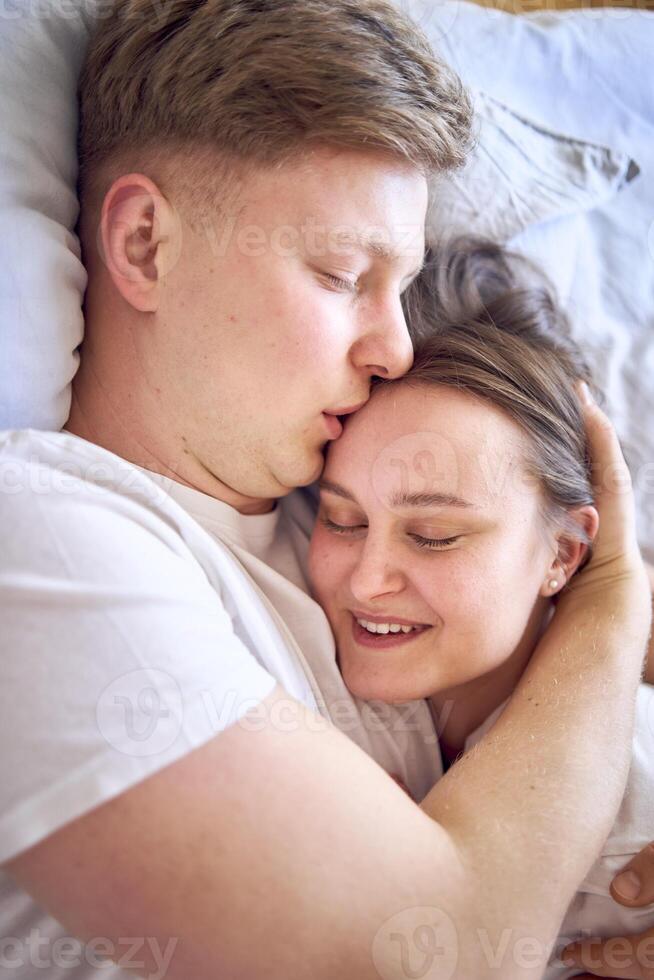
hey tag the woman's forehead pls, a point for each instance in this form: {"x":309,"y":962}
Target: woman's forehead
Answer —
{"x":427,"y":448}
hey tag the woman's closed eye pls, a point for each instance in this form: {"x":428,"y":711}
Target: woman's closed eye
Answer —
{"x":422,"y":542}
{"x":340,"y":528}
{"x":434,"y":543}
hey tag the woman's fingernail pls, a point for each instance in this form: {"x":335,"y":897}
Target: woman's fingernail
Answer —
{"x":584,"y":391}
{"x":627,"y":885}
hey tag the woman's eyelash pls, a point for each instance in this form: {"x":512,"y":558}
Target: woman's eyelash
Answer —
{"x":433,"y":543}
{"x":339,"y":528}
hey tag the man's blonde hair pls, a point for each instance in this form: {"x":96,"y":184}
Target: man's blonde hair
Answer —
{"x":201,"y":89}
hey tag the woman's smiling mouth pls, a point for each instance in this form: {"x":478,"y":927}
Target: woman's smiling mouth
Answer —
{"x":379,"y":634}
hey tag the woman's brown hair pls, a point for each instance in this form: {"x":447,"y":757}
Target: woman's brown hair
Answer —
{"x":484,"y":320}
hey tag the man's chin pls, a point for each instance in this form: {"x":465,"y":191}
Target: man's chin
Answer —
{"x":303,"y":474}
{"x":315,"y":473}
{"x":299,"y":466}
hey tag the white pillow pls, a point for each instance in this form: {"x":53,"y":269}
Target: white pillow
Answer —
{"x":520,"y":174}
{"x":41,"y":277}
{"x":585,"y":72}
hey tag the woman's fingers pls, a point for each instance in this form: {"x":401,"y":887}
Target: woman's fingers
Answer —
{"x":612,"y":485}
{"x":616,"y":569}
{"x":634,"y":885}
{"x":618,"y":958}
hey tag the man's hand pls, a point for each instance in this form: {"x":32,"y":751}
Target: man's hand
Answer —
{"x":623,"y":956}
{"x":633,"y":887}
{"x":618,"y":958}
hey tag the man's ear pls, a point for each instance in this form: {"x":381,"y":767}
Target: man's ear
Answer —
{"x":571,"y":551}
{"x":139,"y":239}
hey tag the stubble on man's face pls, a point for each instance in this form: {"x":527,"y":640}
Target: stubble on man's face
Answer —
{"x":291,"y":318}
{"x":272,"y":318}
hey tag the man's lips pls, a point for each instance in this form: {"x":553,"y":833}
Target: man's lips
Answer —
{"x":333,"y":425}
{"x":333,"y":418}
{"x":345,"y":411}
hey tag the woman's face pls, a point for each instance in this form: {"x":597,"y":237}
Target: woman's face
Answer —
{"x":429,"y":520}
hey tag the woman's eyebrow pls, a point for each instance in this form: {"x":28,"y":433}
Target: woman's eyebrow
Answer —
{"x":403,"y":499}
{"x":336,"y":489}
{"x":429,"y":500}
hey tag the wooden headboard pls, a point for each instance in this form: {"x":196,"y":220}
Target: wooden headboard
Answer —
{"x":525,"y":6}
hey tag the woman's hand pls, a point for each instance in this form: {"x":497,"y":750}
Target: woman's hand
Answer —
{"x":616,"y":571}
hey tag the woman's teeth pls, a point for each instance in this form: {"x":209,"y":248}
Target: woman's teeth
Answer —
{"x":385,"y":627}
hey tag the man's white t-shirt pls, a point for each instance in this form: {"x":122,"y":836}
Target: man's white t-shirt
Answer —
{"x":138,"y":619}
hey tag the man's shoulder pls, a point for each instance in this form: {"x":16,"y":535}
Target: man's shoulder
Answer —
{"x":65,"y":485}
{"x":60,"y":461}
{"x":60,"y":465}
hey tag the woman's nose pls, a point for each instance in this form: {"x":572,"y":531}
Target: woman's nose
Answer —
{"x":375,"y":574}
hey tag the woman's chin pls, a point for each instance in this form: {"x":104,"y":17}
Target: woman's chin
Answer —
{"x":375,"y":685}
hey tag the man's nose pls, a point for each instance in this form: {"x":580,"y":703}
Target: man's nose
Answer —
{"x":385,"y":349}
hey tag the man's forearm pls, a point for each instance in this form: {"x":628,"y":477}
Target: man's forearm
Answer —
{"x":534,"y":829}
{"x":649,"y":663}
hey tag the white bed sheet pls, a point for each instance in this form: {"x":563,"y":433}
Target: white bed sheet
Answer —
{"x":588,"y":74}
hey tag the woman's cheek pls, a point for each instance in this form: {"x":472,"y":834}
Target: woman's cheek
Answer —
{"x":324,"y":563}
{"x":315,"y":560}
{"x":457,"y":590}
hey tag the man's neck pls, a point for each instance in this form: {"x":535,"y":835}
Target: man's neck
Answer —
{"x":94,"y":417}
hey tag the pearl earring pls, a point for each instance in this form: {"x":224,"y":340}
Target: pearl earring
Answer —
{"x":553,"y":584}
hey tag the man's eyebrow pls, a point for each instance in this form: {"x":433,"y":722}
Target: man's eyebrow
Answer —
{"x":380,"y":250}
{"x":404,"y":499}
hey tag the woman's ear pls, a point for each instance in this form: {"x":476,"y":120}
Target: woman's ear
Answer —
{"x":571,"y":550}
